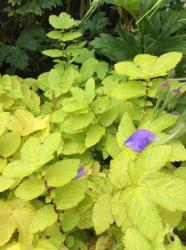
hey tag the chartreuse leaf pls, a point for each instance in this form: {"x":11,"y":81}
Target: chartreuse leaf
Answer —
{"x":147,"y":66}
{"x":102,"y":215}
{"x":39,"y":154}
{"x":175,"y":245}
{"x":178,"y":151}
{"x":166,"y":190}
{"x":30,"y":189}
{"x":33,"y":156}
{"x":5,"y":183}
{"x":119,"y":211}
{"x":119,"y":170}
{"x":70,"y":219}
{"x":125,"y":129}
{"x":62,"y":172}
{"x":4,"y":118}
{"x":12,"y":218}
{"x":9,"y":143}
{"x":75,"y":145}
{"x":3,"y":163}
{"x":25,"y":123}
{"x":76,"y":122}
{"x":165,"y":63}
{"x":156,"y":125}
{"x":143,"y":213}
{"x":85,"y":213}
{"x":53,"y":53}
{"x":135,"y":240}
{"x":171,"y":218}
{"x":88,"y":68}
{"x":126,"y":91}
{"x":151,"y":160}
{"x":71,"y":194}
{"x":111,"y":145}
{"x":69,"y":36}
{"x":44,"y":217}
{"x":94,"y":135}
{"x":18,"y":168}
{"x":62,"y":22}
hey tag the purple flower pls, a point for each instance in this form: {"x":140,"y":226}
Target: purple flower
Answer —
{"x":140,"y":139}
{"x":81,"y":172}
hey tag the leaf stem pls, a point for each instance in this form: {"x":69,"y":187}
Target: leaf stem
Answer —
{"x":48,"y":189}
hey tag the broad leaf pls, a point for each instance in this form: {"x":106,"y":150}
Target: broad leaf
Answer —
{"x":151,"y":160}
{"x":94,"y":134}
{"x":44,"y":217}
{"x":71,"y":194}
{"x":5,"y":183}
{"x":6,"y":148}
{"x":167,"y":191}
{"x":62,"y":172}
{"x":118,"y":206}
{"x":102,"y":216}
{"x":143,"y":214}
{"x":126,"y":128}
{"x":135,"y":240}
{"x":119,"y":170}
{"x":30,"y":189}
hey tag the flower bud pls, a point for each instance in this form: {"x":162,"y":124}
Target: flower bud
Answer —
{"x":172,"y":99}
{"x":161,"y":94}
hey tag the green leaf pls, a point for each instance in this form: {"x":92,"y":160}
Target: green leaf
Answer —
{"x":76,"y":122}
{"x":30,"y":189}
{"x":156,"y":125}
{"x":88,"y":68}
{"x":125,"y":129}
{"x":55,"y":34}
{"x":53,"y":53}
{"x":71,"y":194}
{"x":165,"y":63}
{"x":111,"y":145}
{"x":44,"y":217}
{"x":58,"y":116}
{"x":175,"y":245}
{"x":101,"y":104}
{"x":119,"y":170}
{"x":167,"y":191}
{"x":143,"y":214}
{"x":146,"y":66}
{"x":70,"y":219}
{"x":4,"y":118}
{"x":75,"y":145}
{"x":6,"y":148}
{"x":14,"y":217}
{"x":94,"y":134}
{"x":18,"y":168}
{"x":54,"y":78}
{"x":63,"y":21}
{"x":25,"y":123}
{"x":39,"y":154}
{"x":119,"y":211}
{"x":62,"y":172}
{"x":102,"y":216}
{"x":178,"y":151}
{"x":135,"y":240}
{"x":5,"y":183}
{"x":171,"y":218}
{"x":69,"y":36}
{"x":128,"y":90}
{"x":151,"y":160}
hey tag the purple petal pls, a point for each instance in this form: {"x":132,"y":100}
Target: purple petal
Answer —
{"x":140,"y":139}
{"x":81,"y":172}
